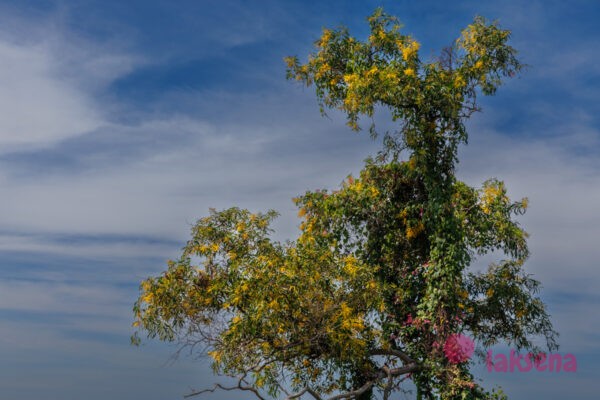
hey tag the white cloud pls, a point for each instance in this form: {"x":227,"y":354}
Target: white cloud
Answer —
{"x":160,"y":193}
{"x":49,"y":78}
{"x":39,"y":109}
{"x":90,"y":299}
{"x":97,"y":248}
{"x":563,"y":189}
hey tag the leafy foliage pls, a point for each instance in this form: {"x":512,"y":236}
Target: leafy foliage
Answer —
{"x":378,"y":279}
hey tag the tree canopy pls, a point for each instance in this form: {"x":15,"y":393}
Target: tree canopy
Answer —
{"x":377,"y":284}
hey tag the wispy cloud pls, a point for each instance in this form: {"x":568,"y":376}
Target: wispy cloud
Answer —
{"x":50,"y":77}
{"x":40,"y":108}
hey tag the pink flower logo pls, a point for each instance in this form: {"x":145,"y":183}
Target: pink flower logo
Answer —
{"x":458,"y":348}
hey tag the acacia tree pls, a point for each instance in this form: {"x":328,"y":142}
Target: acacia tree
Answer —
{"x":377,"y":283}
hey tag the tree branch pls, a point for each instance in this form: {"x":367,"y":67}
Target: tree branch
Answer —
{"x":389,"y":386}
{"x":305,"y":390}
{"x":239,"y":386}
{"x":393,"y":352}
{"x":357,"y":392}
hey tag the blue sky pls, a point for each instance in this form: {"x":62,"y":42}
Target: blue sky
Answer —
{"x":123,"y":122}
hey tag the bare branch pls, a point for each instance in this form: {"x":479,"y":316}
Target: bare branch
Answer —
{"x":296,"y":395}
{"x":393,"y":352}
{"x":303,"y":391}
{"x":239,"y":386}
{"x":357,"y":392}
{"x":412,"y":367}
{"x":389,"y":386}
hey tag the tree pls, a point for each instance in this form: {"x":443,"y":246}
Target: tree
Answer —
{"x":376,"y":289}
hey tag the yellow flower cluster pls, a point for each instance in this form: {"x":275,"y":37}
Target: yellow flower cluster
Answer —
{"x":490,"y":195}
{"x":350,"y":265}
{"x":349,"y":321}
{"x":409,"y":72}
{"x":322,"y":71}
{"x":352,"y":101}
{"x":413,"y":231}
{"x":469,"y":40}
{"x":216,"y":355}
{"x":290,"y":62}
{"x":409,"y":48}
{"x":372,"y":72}
{"x":350,"y":79}
{"x":147,"y":298}
{"x":325,"y":38}
{"x":390,"y":77}
{"x":380,"y":35}
{"x":459,"y":82}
